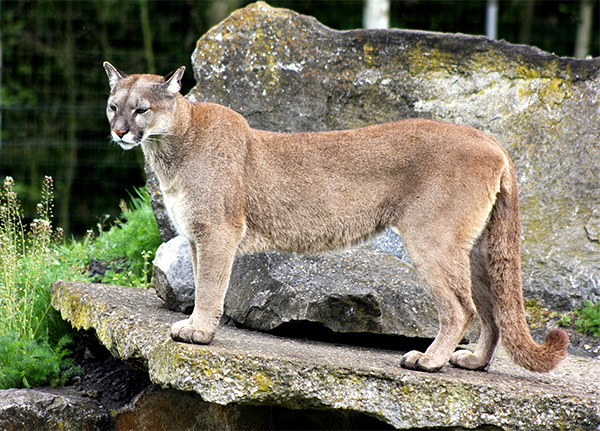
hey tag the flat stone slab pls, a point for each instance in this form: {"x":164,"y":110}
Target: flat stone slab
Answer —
{"x":246,"y":367}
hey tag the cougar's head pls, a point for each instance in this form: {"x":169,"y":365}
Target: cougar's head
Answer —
{"x":140,"y":106}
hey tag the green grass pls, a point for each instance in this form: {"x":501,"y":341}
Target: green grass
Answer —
{"x":35,"y":343}
{"x":585,"y":320}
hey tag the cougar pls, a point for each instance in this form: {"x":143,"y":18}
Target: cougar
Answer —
{"x":449,"y":190}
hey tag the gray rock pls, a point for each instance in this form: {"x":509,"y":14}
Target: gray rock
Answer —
{"x":173,"y":275}
{"x":47,"y":409}
{"x":363,"y":289}
{"x":287,"y":72}
{"x":170,"y":409}
{"x":250,"y":368}
{"x":358,"y":290}
{"x":165,"y":226}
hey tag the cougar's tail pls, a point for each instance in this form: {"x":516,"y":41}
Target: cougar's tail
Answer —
{"x":504,"y":266}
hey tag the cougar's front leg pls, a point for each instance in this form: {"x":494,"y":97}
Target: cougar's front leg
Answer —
{"x":212,"y":257}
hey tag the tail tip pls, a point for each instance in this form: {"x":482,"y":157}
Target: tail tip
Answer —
{"x":558,"y":341}
{"x":542,"y":358}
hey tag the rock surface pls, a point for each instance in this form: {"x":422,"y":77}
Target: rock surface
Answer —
{"x":170,"y":409}
{"x":363,"y":289}
{"x":49,"y":409}
{"x":359,"y":290}
{"x":173,"y":276}
{"x":165,"y":227}
{"x":244,"y":367}
{"x":287,"y":72}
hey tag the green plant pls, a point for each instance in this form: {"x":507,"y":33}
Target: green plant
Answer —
{"x":33,"y":338}
{"x":27,"y":363}
{"x":564,"y":320}
{"x":129,"y":245}
{"x":588,"y":318}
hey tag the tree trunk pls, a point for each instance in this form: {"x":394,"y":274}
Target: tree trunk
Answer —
{"x":491,"y":19}
{"x":147,"y":35}
{"x":71,"y":151}
{"x":526,"y":22}
{"x":376,"y":14}
{"x":584,"y":28}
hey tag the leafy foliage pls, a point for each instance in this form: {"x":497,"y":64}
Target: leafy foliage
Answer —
{"x":35,"y":342}
{"x":133,"y":239}
{"x":127,"y":247}
{"x":27,"y":363}
{"x":588,"y":318}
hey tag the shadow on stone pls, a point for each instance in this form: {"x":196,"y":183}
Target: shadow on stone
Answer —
{"x":306,"y":330}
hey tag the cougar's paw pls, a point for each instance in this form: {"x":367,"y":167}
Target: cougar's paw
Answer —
{"x":414,"y":360}
{"x":186,"y":332}
{"x":469,"y":361}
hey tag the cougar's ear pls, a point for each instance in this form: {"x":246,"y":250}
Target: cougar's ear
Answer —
{"x":173,"y":80}
{"x":114,"y":74}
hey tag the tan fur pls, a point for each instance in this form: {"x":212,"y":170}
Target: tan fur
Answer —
{"x":449,"y":190}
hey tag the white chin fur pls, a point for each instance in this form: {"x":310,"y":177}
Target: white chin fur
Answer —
{"x":126,"y":142}
{"x":127,"y":146}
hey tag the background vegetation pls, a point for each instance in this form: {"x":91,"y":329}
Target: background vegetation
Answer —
{"x":53,"y":88}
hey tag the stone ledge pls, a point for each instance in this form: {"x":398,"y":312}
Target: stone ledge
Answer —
{"x":246,"y":367}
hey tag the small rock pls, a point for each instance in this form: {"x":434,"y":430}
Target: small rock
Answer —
{"x":173,"y":274}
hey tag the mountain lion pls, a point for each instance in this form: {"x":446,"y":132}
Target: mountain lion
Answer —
{"x":449,"y":190}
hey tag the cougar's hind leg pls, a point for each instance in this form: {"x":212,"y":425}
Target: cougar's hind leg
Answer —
{"x":490,"y":333}
{"x":446,"y":271}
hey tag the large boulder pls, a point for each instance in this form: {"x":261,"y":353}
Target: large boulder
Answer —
{"x":359,"y":290}
{"x":364,"y":289}
{"x":287,"y":72}
{"x":173,"y":275}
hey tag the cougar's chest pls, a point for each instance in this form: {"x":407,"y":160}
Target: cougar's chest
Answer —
{"x":175,"y":209}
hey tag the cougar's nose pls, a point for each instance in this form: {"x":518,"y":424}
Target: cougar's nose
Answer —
{"x":120,"y":133}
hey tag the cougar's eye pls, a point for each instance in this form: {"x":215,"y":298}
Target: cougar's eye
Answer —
{"x":141,"y":110}
{"x":113,"y":108}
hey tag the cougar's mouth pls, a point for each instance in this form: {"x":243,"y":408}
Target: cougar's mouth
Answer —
{"x":126,"y":141}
